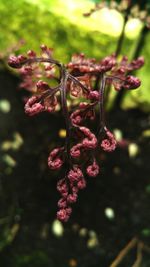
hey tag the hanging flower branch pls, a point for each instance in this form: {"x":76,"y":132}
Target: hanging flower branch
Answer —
{"x":51,"y":84}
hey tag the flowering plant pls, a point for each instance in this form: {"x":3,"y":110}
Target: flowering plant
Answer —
{"x":52,"y":84}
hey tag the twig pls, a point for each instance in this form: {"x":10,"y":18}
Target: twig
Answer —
{"x":124,"y":252}
{"x":139,"y":257}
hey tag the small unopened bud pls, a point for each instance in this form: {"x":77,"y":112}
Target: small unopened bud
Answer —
{"x":31,"y":53}
{"x":41,"y":85}
{"x":43,"y":47}
{"x":131,"y":82}
{"x":94,"y":95}
{"x":16,"y":62}
{"x":93,"y":170}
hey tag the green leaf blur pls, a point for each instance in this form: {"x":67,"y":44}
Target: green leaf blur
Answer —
{"x":62,"y":26}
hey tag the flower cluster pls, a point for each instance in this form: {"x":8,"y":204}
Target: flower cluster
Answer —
{"x":84,"y":79}
{"x":68,"y":188}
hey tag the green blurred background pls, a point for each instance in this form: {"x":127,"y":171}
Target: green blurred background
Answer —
{"x":62,"y":26}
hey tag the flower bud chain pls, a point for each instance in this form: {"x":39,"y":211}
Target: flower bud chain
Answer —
{"x":83,"y":79}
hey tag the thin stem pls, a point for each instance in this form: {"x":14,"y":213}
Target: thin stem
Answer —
{"x":41,"y":59}
{"x":62,"y":88}
{"x":77,"y":82}
{"x":139,"y":257}
{"x":64,"y":78}
{"x":124,"y":252}
{"x":101,"y":103}
{"x":48,"y":94}
{"x":111,"y":77}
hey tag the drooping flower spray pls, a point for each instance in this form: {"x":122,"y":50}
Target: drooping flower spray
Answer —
{"x":85,"y":80}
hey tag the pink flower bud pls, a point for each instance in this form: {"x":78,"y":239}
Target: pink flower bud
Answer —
{"x":62,"y":187}
{"x":75,"y":189}
{"x":69,"y":211}
{"x":62,"y":203}
{"x":137,"y":63}
{"x":75,"y":174}
{"x":55,"y":164}
{"x":109,"y":144}
{"x":108,"y":63}
{"x":31,"y":54}
{"x":90,"y":143}
{"x":55,"y":152}
{"x":81,"y":184}
{"x":33,"y":107}
{"x":50,"y":103}
{"x":62,"y":215}
{"x":42,"y":86}
{"x":83,"y":105}
{"x":64,"y":194}
{"x":46,"y":51}
{"x":72,"y":198}
{"x":131,"y":82}
{"x":54,"y":160}
{"x":93,"y":170}
{"x":43,"y":47}
{"x":16,"y":62}
{"x":94,"y":95}
{"x":75,"y":151}
{"x":22,"y":58}
{"x":75,"y":117}
{"x":27,"y":70}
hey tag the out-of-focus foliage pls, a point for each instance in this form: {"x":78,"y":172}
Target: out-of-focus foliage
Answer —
{"x":36,"y":22}
{"x":61,"y":25}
